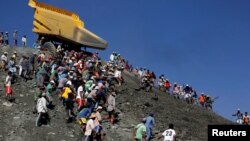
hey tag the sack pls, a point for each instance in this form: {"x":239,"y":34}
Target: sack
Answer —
{"x":82,"y":121}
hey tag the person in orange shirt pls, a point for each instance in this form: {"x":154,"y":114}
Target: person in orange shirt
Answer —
{"x":246,"y":119}
{"x":202,"y":100}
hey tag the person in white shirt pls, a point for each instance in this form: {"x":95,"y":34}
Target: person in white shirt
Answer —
{"x":118,"y":76}
{"x":111,"y":107}
{"x":112,"y":57}
{"x":42,"y":110}
{"x":8,"y":89}
{"x":89,"y":127}
{"x":79,"y":97}
{"x":24,"y":41}
{"x":169,"y":134}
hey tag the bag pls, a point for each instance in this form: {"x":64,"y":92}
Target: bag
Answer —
{"x":82,"y":121}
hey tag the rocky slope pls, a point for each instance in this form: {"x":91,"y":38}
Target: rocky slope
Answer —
{"x":18,"y":122}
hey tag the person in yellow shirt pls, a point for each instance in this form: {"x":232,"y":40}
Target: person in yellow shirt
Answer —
{"x":65,"y":94}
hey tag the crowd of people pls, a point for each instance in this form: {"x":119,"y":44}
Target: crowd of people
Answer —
{"x":184,"y":92}
{"x":84,"y":84}
{"x":4,"y":39}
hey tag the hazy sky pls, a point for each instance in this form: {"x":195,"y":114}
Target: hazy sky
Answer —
{"x":204,"y":43}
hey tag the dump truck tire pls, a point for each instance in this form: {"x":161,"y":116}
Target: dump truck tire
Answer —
{"x":50,"y":47}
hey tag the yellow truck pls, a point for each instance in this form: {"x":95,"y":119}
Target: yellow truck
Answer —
{"x":57,"y":26}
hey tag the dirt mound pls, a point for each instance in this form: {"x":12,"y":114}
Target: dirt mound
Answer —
{"x":18,"y":122}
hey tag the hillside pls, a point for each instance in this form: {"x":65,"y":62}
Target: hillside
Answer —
{"x":18,"y":122}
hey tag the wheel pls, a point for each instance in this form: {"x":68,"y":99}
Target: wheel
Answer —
{"x":50,"y":47}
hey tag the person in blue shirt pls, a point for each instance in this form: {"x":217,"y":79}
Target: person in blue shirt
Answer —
{"x":85,"y":112}
{"x":150,"y":121}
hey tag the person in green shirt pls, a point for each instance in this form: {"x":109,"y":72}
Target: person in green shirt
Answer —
{"x":139,"y":133}
{"x":49,"y":88}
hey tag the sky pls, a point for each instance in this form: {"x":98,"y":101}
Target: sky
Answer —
{"x":203,"y":43}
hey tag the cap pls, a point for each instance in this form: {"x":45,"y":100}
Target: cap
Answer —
{"x":52,"y":81}
{"x":5,"y":52}
{"x":99,"y":108}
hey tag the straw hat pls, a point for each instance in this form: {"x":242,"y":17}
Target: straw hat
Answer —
{"x":93,"y":115}
{"x":99,"y":108}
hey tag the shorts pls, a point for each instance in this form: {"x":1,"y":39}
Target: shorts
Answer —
{"x":8,"y":90}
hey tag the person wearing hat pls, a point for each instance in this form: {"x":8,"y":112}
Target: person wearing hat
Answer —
{"x":4,"y":60}
{"x":90,"y":128}
{"x":42,"y":109}
{"x":14,"y":55}
{"x":97,"y":122}
{"x":98,"y":115}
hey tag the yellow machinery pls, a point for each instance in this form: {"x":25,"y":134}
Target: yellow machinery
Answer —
{"x":55,"y":25}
